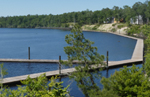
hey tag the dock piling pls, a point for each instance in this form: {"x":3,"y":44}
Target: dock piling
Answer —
{"x":60,"y":68}
{"x":59,"y":65}
{"x":29,"y":53}
{"x":107,"y":64}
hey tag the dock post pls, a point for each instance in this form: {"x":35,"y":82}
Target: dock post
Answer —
{"x":29,"y":53}
{"x":60,"y":68}
{"x":107,"y":64}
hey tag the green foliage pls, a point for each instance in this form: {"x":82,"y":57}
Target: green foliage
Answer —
{"x":142,"y":30}
{"x":103,"y":93}
{"x":147,"y":64}
{"x":128,"y":24}
{"x":147,"y":12}
{"x":94,"y":28}
{"x":120,"y":26}
{"x":81,"y":18}
{"x":128,"y":82}
{"x":81,"y":49}
{"x":145,"y":29}
{"x":114,"y":24}
{"x":135,"y":29}
{"x":147,"y":55}
{"x":113,"y":29}
{"x":37,"y":88}
{"x":3,"y":72}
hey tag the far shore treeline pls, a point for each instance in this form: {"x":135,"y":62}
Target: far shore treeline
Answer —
{"x":82,"y":18}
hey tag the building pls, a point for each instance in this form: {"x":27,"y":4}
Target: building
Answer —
{"x":136,"y":20}
{"x":113,"y":20}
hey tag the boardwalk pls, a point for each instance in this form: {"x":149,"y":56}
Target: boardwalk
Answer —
{"x":137,"y":56}
{"x":63,"y":71}
{"x":32,"y":61}
{"x":29,"y":61}
{"x":138,"y":51}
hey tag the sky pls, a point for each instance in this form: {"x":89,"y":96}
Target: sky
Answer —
{"x":46,"y":7}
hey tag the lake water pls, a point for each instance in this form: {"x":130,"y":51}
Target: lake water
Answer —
{"x":49,"y":44}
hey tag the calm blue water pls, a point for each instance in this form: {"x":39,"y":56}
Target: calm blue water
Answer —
{"x":49,"y":43}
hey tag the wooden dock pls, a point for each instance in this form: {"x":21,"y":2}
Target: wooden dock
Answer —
{"x":63,"y":71}
{"x":32,"y":61}
{"x":137,"y":56}
{"x":29,"y":61}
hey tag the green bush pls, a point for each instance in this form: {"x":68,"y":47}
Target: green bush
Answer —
{"x":120,"y":26}
{"x":135,"y":29}
{"x":113,"y":30}
{"x":128,"y":24}
{"x":103,"y":93}
{"x":37,"y":88}
{"x":128,"y":82}
{"x":114,"y":24}
{"x":94,"y":28}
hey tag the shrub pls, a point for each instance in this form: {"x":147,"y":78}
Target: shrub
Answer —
{"x":113,"y":30}
{"x":135,"y":29}
{"x":114,"y":24}
{"x":94,"y":28}
{"x":120,"y":26}
{"x":37,"y":88}
{"x":128,"y":82}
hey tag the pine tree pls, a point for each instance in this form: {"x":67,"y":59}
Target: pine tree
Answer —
{"x":80,"y":49}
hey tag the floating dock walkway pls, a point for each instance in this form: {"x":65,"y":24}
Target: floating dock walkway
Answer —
{"x":137,"y":57}
{"x":63,"y":71}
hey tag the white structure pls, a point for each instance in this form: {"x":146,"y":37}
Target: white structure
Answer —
{"x":137,"y":20}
